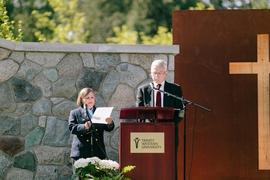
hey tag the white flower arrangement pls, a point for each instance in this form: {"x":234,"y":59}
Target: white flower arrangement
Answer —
{"x":81,"y":163}
{"x":108,"y":164}
{"x":97,"y":169}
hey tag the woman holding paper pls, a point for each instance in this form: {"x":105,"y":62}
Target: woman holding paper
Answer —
{"x":88,"y":139}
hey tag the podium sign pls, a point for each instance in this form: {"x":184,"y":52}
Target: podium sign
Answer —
{"x":148,"y":146}
{"x":148,"y":142}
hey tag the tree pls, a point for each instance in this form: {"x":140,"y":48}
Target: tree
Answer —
{"x":95,"y":20}
{"x":20,"y":10}
{"x":124,"y":35}
{"x":202,"y":6}
{"x":103,"y":15}
{"x":262,"y":4}
{"x":9,"y":30}
{"x":140,"y":15}
{"x":163,"y":37}
{"x":65,"y":24}
{"x":49,"y":20}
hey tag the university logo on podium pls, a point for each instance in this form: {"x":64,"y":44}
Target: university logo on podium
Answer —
{"x":147,"y":142}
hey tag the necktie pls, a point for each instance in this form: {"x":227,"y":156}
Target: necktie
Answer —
{"x":158,"y":96}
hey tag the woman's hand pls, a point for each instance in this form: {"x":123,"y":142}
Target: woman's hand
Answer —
{"x":109,"y":120}
{"x":87,"y":124}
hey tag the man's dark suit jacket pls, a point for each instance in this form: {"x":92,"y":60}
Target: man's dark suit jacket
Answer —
{"x":81,"y":145}
{"x":145,"y":94}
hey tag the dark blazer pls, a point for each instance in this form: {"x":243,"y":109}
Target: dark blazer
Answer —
{"x":145,"y":94}
{"x":81,"y":145}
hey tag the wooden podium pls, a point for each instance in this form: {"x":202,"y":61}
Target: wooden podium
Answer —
{"x":148,"y":146}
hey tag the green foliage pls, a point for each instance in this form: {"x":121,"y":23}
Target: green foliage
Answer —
{"x":44,"y":26}
{"x":262,"y":4}
{"x":124,"y":35}
{"x":65,"y":24}
{"x":127,"y":169}
{"x":9,"y":30}
{"x":70,"y":21}
{"x":99,"y":21}
{"x":202,"y":6}
{"x":163,"y":37}
{"x":102,"y":16}
{"x":138,"y":15}
{"x":21,"y":11}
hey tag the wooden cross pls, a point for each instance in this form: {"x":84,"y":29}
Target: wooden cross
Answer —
{"x":262,"y":69}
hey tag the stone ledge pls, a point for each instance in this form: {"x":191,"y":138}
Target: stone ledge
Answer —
{"x":99,"y":48}
{"x":11,"y":45}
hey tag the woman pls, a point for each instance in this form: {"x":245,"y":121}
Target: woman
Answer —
{"x":88,"y":140}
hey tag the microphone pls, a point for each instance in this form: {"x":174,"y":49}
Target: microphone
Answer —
{"x":87,"y":114}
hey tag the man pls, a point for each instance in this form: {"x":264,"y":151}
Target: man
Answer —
{"x":148,"y":95}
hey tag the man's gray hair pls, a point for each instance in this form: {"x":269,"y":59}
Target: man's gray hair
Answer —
{"x":159,"y":63}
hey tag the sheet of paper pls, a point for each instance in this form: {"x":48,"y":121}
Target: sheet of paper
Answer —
{"x":100,"y":114}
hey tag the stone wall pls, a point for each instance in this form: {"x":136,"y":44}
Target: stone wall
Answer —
{"x":39,"y":83}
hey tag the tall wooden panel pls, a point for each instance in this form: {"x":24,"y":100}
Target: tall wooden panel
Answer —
{"x":222,"y":144}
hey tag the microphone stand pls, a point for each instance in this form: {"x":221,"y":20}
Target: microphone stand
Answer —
{"x":185,"y":102}
{"x":90,"y":131}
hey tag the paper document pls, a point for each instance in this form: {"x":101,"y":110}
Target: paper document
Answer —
{"x":100,"y":115}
